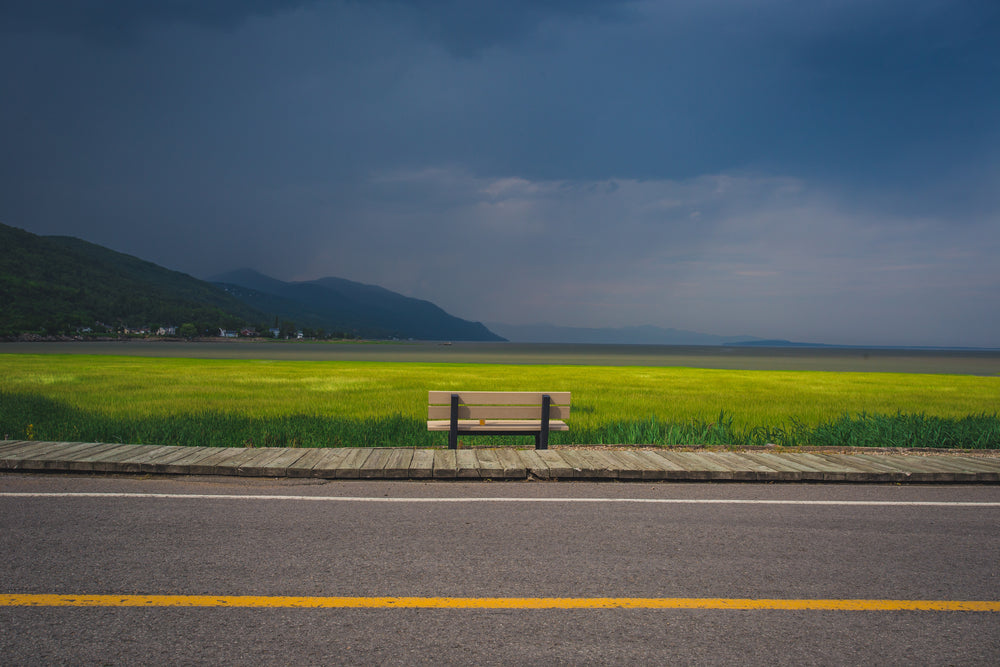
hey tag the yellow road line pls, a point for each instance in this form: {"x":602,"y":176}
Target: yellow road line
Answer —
{"x":54,"y":600}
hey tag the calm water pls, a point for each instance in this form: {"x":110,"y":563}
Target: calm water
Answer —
{"x":963,"y":362}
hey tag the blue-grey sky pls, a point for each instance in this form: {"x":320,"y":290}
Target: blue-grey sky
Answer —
{"x":821,"y":170}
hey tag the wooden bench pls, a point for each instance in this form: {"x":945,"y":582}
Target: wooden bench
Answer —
{"x":498,"y":413}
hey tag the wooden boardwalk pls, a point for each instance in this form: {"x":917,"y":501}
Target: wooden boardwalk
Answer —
{"x":500,"y":463}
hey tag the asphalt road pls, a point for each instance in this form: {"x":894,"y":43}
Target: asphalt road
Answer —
{"x":293,"y":546}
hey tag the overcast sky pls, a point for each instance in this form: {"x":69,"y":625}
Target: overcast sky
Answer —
{"x":815,"y":170}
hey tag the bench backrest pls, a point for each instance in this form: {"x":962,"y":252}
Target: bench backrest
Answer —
{"x":498,"y":404}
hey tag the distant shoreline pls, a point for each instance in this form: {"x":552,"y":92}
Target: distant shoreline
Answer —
{"x":736,"y":357}
{"x":261,"y":340}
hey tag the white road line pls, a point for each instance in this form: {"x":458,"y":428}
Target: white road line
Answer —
{"x":651,"y":501}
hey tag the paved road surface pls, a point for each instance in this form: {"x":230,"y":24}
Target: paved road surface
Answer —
{"x":923,"y":546}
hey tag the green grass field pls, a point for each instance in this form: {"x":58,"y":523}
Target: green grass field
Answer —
{"x":339,"y":403}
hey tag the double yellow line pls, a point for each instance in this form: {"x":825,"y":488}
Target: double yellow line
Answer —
{"x":281,"y":601}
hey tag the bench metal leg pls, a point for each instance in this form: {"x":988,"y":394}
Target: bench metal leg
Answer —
{"x":453,"y":426}
{"x":542,"y":439}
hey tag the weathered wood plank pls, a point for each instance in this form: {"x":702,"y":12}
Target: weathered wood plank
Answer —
{"x":581,"y":465}
{"x":422,"y":464}
{"x":937,"y":465}
{"x":397,"y":466}
{"x":969,"y":466}
{"x":904,"y":471}
{"x":600,"y":464}
{"x":636,"y":467}
{"x":317,"y":462}
{"x":708,"y":461}
{"x":152,"y":452}
{"x":692,"y":468}
{"x":951,"y":464}
{"x":252,"y":465}
{"x":558,"y":467}
{"x":870,"y":470}
{"x":616,"y":464}
{"x":187,"y":460}
{"x":785,"y":471}
{"x":158,"y":460}
{"x":734,"y":469}
{"x":162,"y":462}
{"x":101,"y":460}
{"x":990,"y":464}
{"x":445,"y":464}
{"x":829,"y":472}
{"x":86,"y":460}
{"x":489,"y":465}
{"x":857,"y":469}
{"x":50,"y":455}
{"x":743,"y":468}
{"x":466,"y":464}
{"x":278,"y":467}
{"x":533,"y":463}
{"x":212,"y":463}
{"x":513,"y":467}
{"x":717,"y":468}
{"x":350,"y":465}
{"x":58,"y":450}
{"x":16,"y":455}
{"x":846,"y":461}
{"x":373,"y":465}
{"x":12,"y":445}
{"x":130,"y":461}
{"x":970,"y":462}
{"x":671,"y":470}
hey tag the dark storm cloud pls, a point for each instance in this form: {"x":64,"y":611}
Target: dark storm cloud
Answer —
{"x":467,"y":28}
{"x":821,"y":170}
{"x":118,"y":20}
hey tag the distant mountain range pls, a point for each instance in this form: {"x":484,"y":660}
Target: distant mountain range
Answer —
{"x":640,"y":335}
{"x":56,"y":285}
{"x":336,"y":304}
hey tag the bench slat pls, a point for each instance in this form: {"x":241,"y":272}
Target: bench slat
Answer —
{"x":498,"y":412}
{"x":498,"y":397}
{"x":496,"y":425}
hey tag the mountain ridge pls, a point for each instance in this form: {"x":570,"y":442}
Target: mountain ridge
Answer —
{"x":342,"y":303}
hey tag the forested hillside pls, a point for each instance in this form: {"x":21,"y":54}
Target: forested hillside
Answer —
{"x":55,"y":285}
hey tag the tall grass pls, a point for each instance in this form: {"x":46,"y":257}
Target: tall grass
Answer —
{"x":259,"y":403}
{"x":30,"y":417}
